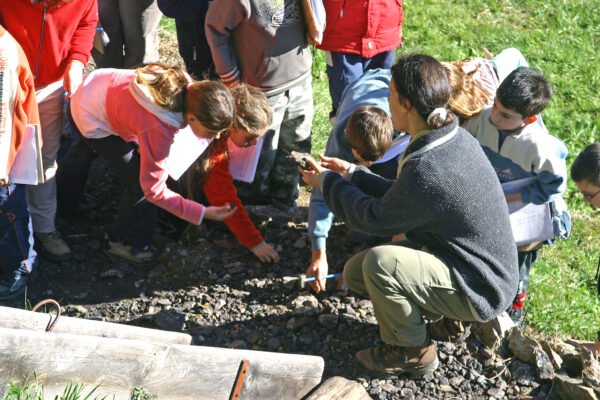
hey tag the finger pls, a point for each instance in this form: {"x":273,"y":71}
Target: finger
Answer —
{"x":315,"y":165}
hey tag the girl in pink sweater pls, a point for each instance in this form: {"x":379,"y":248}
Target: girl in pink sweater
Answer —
{"x":130,"y":117}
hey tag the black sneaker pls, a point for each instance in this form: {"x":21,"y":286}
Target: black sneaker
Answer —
{"x":14,"y":286}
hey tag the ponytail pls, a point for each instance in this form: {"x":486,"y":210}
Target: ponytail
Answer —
{"x":166,"y":84}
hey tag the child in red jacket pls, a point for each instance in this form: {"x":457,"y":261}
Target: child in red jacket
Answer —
{"x":18,"y":109}
{"x":252,"y":119}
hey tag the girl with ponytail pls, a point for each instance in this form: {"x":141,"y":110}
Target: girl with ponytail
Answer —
{"x":130,"y":118}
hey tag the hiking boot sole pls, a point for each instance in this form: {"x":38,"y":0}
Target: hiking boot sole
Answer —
{"x":53,"y":257}
{"x":414,"y":372}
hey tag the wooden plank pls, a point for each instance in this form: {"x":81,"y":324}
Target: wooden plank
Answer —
{"x":36,"y":321}
{"x":169,"y":371}
{"x":339,"y":388}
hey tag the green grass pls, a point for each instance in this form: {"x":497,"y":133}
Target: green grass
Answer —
{"x":560,"y":38}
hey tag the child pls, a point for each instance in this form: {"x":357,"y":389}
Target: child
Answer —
{"x":253,"y":116}
{"x":57,"y":37}
{"x":519,"y":148}
{"x":585,"y":172}
{"x":18,"y":108}
{"x":263,"y":43}
{"x":130,"y":118}
{"x":359,"y":36}
{"x":369,"y":134}
{"x":474,"y":81}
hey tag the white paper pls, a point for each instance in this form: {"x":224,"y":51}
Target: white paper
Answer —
{"x":530,"y":222}
{"x":243,"y":160}
{"x":26,"y":168}
{"x":399,"y":144}
{"x":186,"y":149}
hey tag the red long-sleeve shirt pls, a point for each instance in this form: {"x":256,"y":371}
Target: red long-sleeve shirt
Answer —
{"x":51,"y":33}
{"x":219,"y":189}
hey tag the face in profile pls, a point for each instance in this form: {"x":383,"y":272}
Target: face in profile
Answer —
{"x":505,"y":119}
{"x":200,"y":130}
{"x":242,"y":138}
{"x":590,"y":192}
{"x":396,"y":108}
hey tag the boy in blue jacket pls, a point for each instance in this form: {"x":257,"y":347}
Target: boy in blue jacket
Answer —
{"x":520,"y":148}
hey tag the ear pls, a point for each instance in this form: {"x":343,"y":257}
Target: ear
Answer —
{"x":405,"y":103}
{"x":530,"y":120}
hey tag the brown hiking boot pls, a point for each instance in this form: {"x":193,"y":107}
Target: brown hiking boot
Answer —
{"x":449,"y":330}
{"x":389,"y":360}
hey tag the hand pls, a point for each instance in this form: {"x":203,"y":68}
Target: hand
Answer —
{"x":335,"y":164}
{"x":312,"y":176}
{"x":73,"y":77}
{"x":4,"y":182}
{"x":266,"y":253}
{"x":488,"y":55}
{"x":314,"y":40}
{"x":219,"y":213}
{"x":318,"y":267}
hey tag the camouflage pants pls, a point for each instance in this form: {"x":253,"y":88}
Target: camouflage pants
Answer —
{"x":276,"y":180}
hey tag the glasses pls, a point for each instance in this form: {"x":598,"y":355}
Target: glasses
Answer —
{"x":589,"y":197}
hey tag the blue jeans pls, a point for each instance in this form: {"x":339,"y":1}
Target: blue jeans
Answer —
{"x":16,"y":234}
{"x":346,"y":68}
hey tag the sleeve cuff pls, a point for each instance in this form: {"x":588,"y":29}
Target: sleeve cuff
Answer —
{"x":322,"y":179}
{"x":318,"y":242}
{"x":201,"y":215}
{"x":351,"y":172}
{"x":257,"y":246}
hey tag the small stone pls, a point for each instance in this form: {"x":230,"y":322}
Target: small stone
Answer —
{"x":238,"y":344}
{"x":169,"y":320}
{"x":112,"y":273}
{"x":496,"y":393}
{"x":329,"y":321}
{"x":157,"y":271}
{"x":273,"y":344}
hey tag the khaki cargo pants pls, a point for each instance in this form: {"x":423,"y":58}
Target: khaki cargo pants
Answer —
{"x":404,"y":285}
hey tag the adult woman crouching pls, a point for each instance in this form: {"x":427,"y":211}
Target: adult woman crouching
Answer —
{"x":459,"y":261}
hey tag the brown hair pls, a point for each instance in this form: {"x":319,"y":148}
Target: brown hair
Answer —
{"x":466,"y":98}
{"x":253,"y":112}
{"x":422,"y":80}
{"x":369,"y":132}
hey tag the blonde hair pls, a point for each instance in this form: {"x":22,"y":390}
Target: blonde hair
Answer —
{"x":253,"y":112}
{"x":467,"y":98}
{"x":173,"y":89}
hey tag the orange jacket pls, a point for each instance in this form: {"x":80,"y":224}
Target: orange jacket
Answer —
{"x":18,"y":106}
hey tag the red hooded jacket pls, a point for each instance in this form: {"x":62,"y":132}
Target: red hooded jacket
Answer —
{"x":51,"y":32}
{"x":365,"y":27}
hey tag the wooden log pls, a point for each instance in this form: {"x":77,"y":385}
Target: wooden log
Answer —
{"x":21,"y":319}
{"x":169,"y":371}
{"x":338,"y":388}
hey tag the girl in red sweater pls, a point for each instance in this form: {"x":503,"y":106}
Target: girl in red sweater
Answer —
{"x":253,"y":116}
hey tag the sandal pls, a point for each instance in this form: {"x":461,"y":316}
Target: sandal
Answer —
{"x":147,"y":255}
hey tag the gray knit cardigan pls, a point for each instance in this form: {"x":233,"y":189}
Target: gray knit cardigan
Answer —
{"x":446,"y":198}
